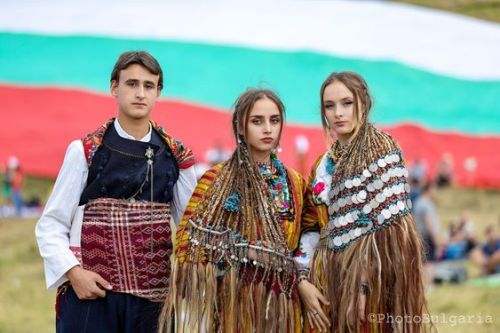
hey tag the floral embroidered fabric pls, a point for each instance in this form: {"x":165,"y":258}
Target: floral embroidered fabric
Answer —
{"x":321,"y":183}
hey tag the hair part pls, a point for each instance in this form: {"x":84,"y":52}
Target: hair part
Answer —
{"x":141,"y":58}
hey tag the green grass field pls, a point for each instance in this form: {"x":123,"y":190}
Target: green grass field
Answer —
{"x":482,"y":9}
{"x":25,"y":305}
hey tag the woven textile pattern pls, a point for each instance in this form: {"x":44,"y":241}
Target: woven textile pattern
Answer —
{"x":129,"y":244}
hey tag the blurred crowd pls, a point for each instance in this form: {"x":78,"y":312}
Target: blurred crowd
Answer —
{"x":449,"y":251}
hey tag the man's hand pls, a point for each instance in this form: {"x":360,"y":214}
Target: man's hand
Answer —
{"x":87,"y":284}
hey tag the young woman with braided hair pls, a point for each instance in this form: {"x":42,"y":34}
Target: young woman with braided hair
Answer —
{"x":360,"y":259}
{"x":234,"y":268}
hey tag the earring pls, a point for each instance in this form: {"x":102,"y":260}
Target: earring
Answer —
{"x":277,"y":149}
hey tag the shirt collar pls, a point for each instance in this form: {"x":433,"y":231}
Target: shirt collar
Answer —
{"x":121,"y":132}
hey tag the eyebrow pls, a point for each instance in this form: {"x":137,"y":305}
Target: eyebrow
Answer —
{"x":261,"y":116}
{"x":341,"y":100}
{"x":137,"y":80}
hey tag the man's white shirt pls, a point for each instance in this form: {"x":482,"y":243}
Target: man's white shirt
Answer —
{"x":55,"y":228}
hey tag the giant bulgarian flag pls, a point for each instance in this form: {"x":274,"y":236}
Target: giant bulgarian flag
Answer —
{"x":435,"y":76}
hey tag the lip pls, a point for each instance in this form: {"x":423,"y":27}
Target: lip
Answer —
{"x":267,"y":140}
{"x":139,"y":104}
{"x":340,"y":123}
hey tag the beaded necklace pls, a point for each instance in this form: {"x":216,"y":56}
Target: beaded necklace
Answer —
{"x":275,"y":175}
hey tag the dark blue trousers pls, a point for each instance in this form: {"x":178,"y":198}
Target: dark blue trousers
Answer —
{"x":116,"y":313}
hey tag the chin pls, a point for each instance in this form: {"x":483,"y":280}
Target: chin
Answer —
{"x":137,"y":115}
{"x":344,"y":131}
{"x":262,"y":149}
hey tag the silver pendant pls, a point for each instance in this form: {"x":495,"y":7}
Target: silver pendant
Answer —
{"x":149,"y":153}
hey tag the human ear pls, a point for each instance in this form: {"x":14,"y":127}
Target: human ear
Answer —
{"x":114,"y":88}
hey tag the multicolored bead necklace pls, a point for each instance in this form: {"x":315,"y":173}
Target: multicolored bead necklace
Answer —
{"x":275,"y":175}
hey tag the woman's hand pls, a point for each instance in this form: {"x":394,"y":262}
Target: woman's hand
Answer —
{"x":313,"y":300}
{"x":361,"y":309}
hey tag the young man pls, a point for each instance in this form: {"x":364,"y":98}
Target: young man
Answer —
{"x":105,"y":234}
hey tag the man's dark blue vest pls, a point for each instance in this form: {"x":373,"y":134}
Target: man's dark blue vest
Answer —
{"x":119,"y":166}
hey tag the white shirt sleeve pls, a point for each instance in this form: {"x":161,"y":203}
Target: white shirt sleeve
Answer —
{"x":183,"y":189}
{"x":53,"y":229}
{"x":307,"y":247}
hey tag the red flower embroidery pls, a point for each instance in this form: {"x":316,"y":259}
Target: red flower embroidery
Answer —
{"x":318,"y":188}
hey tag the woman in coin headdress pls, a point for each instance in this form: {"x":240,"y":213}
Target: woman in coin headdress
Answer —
{"x":359,"y":256}
{"x":234,"y":269}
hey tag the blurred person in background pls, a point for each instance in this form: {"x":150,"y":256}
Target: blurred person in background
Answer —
{"x":444,"y":173}
{"x":6,"y":186}
{"x":213,"y":156}
{"x":487,"y":255}
{"x":217,"y":154}
{"x":418,"y":178}
{"x":15,"y":177}
{"x":460,"y":239}
{"x":428,"y":226}
{"x":418,"y":172}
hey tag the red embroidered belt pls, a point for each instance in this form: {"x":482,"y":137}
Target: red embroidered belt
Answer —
{"x":129,"y":244}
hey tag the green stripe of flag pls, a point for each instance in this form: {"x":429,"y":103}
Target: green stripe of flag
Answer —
{"x":214,"y":75}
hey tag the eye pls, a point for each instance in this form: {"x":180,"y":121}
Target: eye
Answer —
{"x":276,"y":120}
{"x":256,"y":121}
{"x":131,"y":83}
{"x":149,"y":86}
{"x":328,"y":106}
{"x":347,"y":103}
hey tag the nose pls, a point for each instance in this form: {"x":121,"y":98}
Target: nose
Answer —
{"x":267,"y":127}
{"x":139,"y":93}
{"x":339,"y":113}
